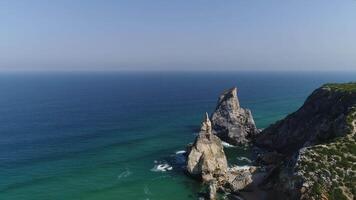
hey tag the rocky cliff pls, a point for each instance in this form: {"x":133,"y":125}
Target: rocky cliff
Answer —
{"x":322,"y":117}
{"x":318,"y":142}
{"x":230,"y":122}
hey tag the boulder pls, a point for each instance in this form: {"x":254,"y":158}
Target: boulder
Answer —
{"x":239,"y":178}
{"x":230,"y":122}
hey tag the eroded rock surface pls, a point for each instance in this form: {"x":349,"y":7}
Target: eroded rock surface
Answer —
{"x":230,"y":122}
{"x":321,"y":118}
{"x":319,"y":144}
{"x":206,"y":158}
{"x":207,"y":161}
{"x":240,"y":177}
{"x":309,"y":155}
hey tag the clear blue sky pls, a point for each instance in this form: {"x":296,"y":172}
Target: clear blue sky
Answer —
{"x":178,"y":35}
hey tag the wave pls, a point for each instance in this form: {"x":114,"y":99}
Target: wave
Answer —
{"x":181,"y":152}
{"x":124,"y":174}
{"x":180,"y":157}
{"x":243,"y":167}
{"x":161,"y":167}
{"x":244,"y":159}
{"x":227,"y":145}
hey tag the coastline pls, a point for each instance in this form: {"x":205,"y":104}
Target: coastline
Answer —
{"x":87,"y":153}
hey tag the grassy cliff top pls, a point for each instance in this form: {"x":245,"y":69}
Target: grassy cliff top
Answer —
{"x":348,"y":87}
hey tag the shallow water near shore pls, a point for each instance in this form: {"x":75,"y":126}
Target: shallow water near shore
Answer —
{"x":99,"y":135}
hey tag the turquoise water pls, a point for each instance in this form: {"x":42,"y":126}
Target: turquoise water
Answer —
{"x":98,"y":135}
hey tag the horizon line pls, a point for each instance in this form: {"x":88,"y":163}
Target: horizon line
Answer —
{"x":173,"y":70}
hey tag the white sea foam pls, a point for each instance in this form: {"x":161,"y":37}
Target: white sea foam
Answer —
{"x":162,"y":168}
{"x":181,"y":152}
{"x":124,"y":174}
{"x":227,"y":145}
{"x":180,"y":157}
{"x":244,"y":167}
{"x":244,"y":159}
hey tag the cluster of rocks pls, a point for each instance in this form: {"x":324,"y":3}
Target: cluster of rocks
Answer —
{"x":207,"y":162}
{"x":206,"y":158}
{"x":308,"y":155}
{"x":317,"y":145}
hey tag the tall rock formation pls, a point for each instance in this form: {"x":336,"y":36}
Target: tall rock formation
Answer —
{"x":230,"y":122}
{"x":206,"y":158}
{"x":207,"y":161}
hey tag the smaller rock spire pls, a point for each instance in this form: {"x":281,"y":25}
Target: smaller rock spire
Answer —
{"x":207,"y":117}
{"x":206,"y":124}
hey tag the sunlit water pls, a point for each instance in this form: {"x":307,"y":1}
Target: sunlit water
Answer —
{"x":100,"y":135}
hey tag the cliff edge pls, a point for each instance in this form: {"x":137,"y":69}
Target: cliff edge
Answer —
{"x":319,"y":143}
{"x":323,"y":116}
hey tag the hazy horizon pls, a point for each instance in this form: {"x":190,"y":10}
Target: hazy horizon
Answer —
{"x":275,"y":35}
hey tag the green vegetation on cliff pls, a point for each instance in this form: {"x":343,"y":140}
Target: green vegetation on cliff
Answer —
{"x":328,"y":170}
{"x":349,"y":87}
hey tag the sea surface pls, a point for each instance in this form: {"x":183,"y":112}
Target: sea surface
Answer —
{"x":99,"y":135}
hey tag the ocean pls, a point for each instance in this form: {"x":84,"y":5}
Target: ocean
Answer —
{"x":99,"y":135}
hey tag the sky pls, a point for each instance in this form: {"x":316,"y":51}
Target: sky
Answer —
{"x":178,"y":35}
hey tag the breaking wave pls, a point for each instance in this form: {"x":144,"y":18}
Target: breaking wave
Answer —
{"x":244,"y":159}
{"x":227,"y":145}
{"x":161,"y":167}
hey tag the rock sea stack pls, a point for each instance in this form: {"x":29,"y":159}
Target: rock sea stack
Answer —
{"x":207,"y":162}
{"x":230,"y":122}
{"x":206,"y":158}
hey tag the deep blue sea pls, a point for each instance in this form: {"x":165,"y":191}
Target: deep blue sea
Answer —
{"x":98,"y":135}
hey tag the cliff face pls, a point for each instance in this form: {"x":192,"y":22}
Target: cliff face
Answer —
{"x":230,"y":122}
{"x":322,"y":117}
{"x":328,"y":169}
{"x":320,"y":143}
